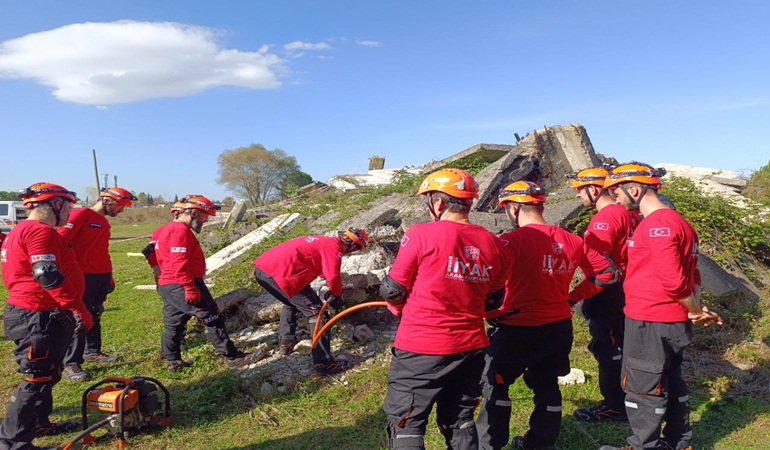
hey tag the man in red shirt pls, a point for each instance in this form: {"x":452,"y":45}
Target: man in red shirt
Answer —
{"x":662,"y":304}
{"x":607,"y":233}
{"x":531,"y":333}
{"x":185,"y":295}
{"x":149,"y":250}
{"x":88,"y":231}
{"x":286,"y":270}
{"x":447,"y":273}
{"x":45,"y":307}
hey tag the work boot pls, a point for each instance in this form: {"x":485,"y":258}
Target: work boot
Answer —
{"x":100,"y":357}
{"x":243,"y":359}
{"x":177,"y":365}
{"x":332,"y":367}
{"x":519,"y":443}
{"x":286,"y":349}
{"x":52,"y":429}
{"x":74,"y":372}
{"x":600,"y":413}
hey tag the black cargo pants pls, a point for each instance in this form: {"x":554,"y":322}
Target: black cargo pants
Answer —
{"x":41,"y":339}
{"x":541,"y":354}
{"x":306,"y":302}
{"x":177,"y":312}
{"x":416,"y":382}
{"x":652,"y":380}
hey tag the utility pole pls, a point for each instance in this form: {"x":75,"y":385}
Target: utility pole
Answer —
{"x":96,"y":172}
{"x":106,"y":177}
{"x":116,"y":180}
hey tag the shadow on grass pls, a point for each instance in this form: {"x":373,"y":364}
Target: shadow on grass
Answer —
{"x":366,"y":433}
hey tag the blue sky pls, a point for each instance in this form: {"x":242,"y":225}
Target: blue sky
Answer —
{"x":160,"y":89}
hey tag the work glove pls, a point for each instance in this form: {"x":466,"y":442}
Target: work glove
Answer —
{"x":83,"y":321}
{"x":337,"y":303}
{"x":192,"y":295}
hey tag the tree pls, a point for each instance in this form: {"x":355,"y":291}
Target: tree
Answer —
{"x":228,"y":201}
{"x":295,"y":180}
{"x":8,"y":195}
{"x":254,"y":172}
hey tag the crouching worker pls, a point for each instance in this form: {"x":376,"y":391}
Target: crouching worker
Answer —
{"x":182,"y":266}
{"x":44,"y":309}
{"x":446,"y":274}
{"x":286,"y":270}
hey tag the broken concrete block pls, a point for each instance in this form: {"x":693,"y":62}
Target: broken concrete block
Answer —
{"x":575,"y":376}
{"x":232,"y":300}
{"x":236,"y":214}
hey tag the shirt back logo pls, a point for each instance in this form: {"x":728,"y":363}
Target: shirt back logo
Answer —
{"x":471,"y":252}
{"x":660,"y":232}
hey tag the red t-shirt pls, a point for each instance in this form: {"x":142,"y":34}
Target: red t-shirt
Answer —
{"x":89,"y":234}
{"x":662,"y":260}
{"x":180,"y":257}
{"x":32,"y":241}
{"x":545,"y":258}
{"x":297,"y":262}
{"x":448,"y":268}
{"x":608,"y":233}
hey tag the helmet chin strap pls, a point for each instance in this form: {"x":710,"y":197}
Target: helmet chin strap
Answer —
{"x":512,"y":217}
{"x":634,"y":203}
{"x":57,"y":212}
{"x":591,"y":197}
{"x":436,"y":217}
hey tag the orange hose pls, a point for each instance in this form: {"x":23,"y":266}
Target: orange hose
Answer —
{"x":318,"y":319}
{"x":325,"y":328}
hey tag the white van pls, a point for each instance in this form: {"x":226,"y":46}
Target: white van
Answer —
{"x":11,"y":213}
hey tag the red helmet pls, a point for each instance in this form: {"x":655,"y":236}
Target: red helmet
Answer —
{"x":586,"y":177}
{"x":355,"y":236}
{"x":120,"y":195}
{"x":452,"y":182}
{"x":201,"y":203}
{"x":522,"y":192}
{"x":636,"y":172}
{"x":40,"y":192}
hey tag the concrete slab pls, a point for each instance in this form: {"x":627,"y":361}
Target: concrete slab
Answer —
{"x":239,"y":247}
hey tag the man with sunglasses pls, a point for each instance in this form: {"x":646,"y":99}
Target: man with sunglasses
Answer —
{"x":88,"y":231}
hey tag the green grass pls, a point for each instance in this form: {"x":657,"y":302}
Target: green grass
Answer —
{"x":215,"y":409}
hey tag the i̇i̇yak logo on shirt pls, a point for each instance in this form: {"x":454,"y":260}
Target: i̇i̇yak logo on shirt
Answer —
{"x":660,"y":232}
{"x":462,"y":269}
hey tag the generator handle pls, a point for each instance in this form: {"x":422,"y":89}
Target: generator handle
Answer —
{"x":157,"y":383}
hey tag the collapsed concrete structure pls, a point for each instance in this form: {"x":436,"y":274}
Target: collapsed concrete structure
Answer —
{"x":544,"y":156}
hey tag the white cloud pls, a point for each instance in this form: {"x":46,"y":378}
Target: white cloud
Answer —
{"x":126,"y":61}
{"x":297,"y":49}
{"x":368,"y":43}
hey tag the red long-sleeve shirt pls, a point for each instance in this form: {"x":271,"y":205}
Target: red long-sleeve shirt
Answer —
{"x":295,"y":263}
{"x":180,"y":257}
{"x":448,"y":268}
{"x":545,"y":258}
{"x":608,"y":233}
{"x":32,"y":241}
{"x":89,"y":234}
{"x":662,"y":267}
